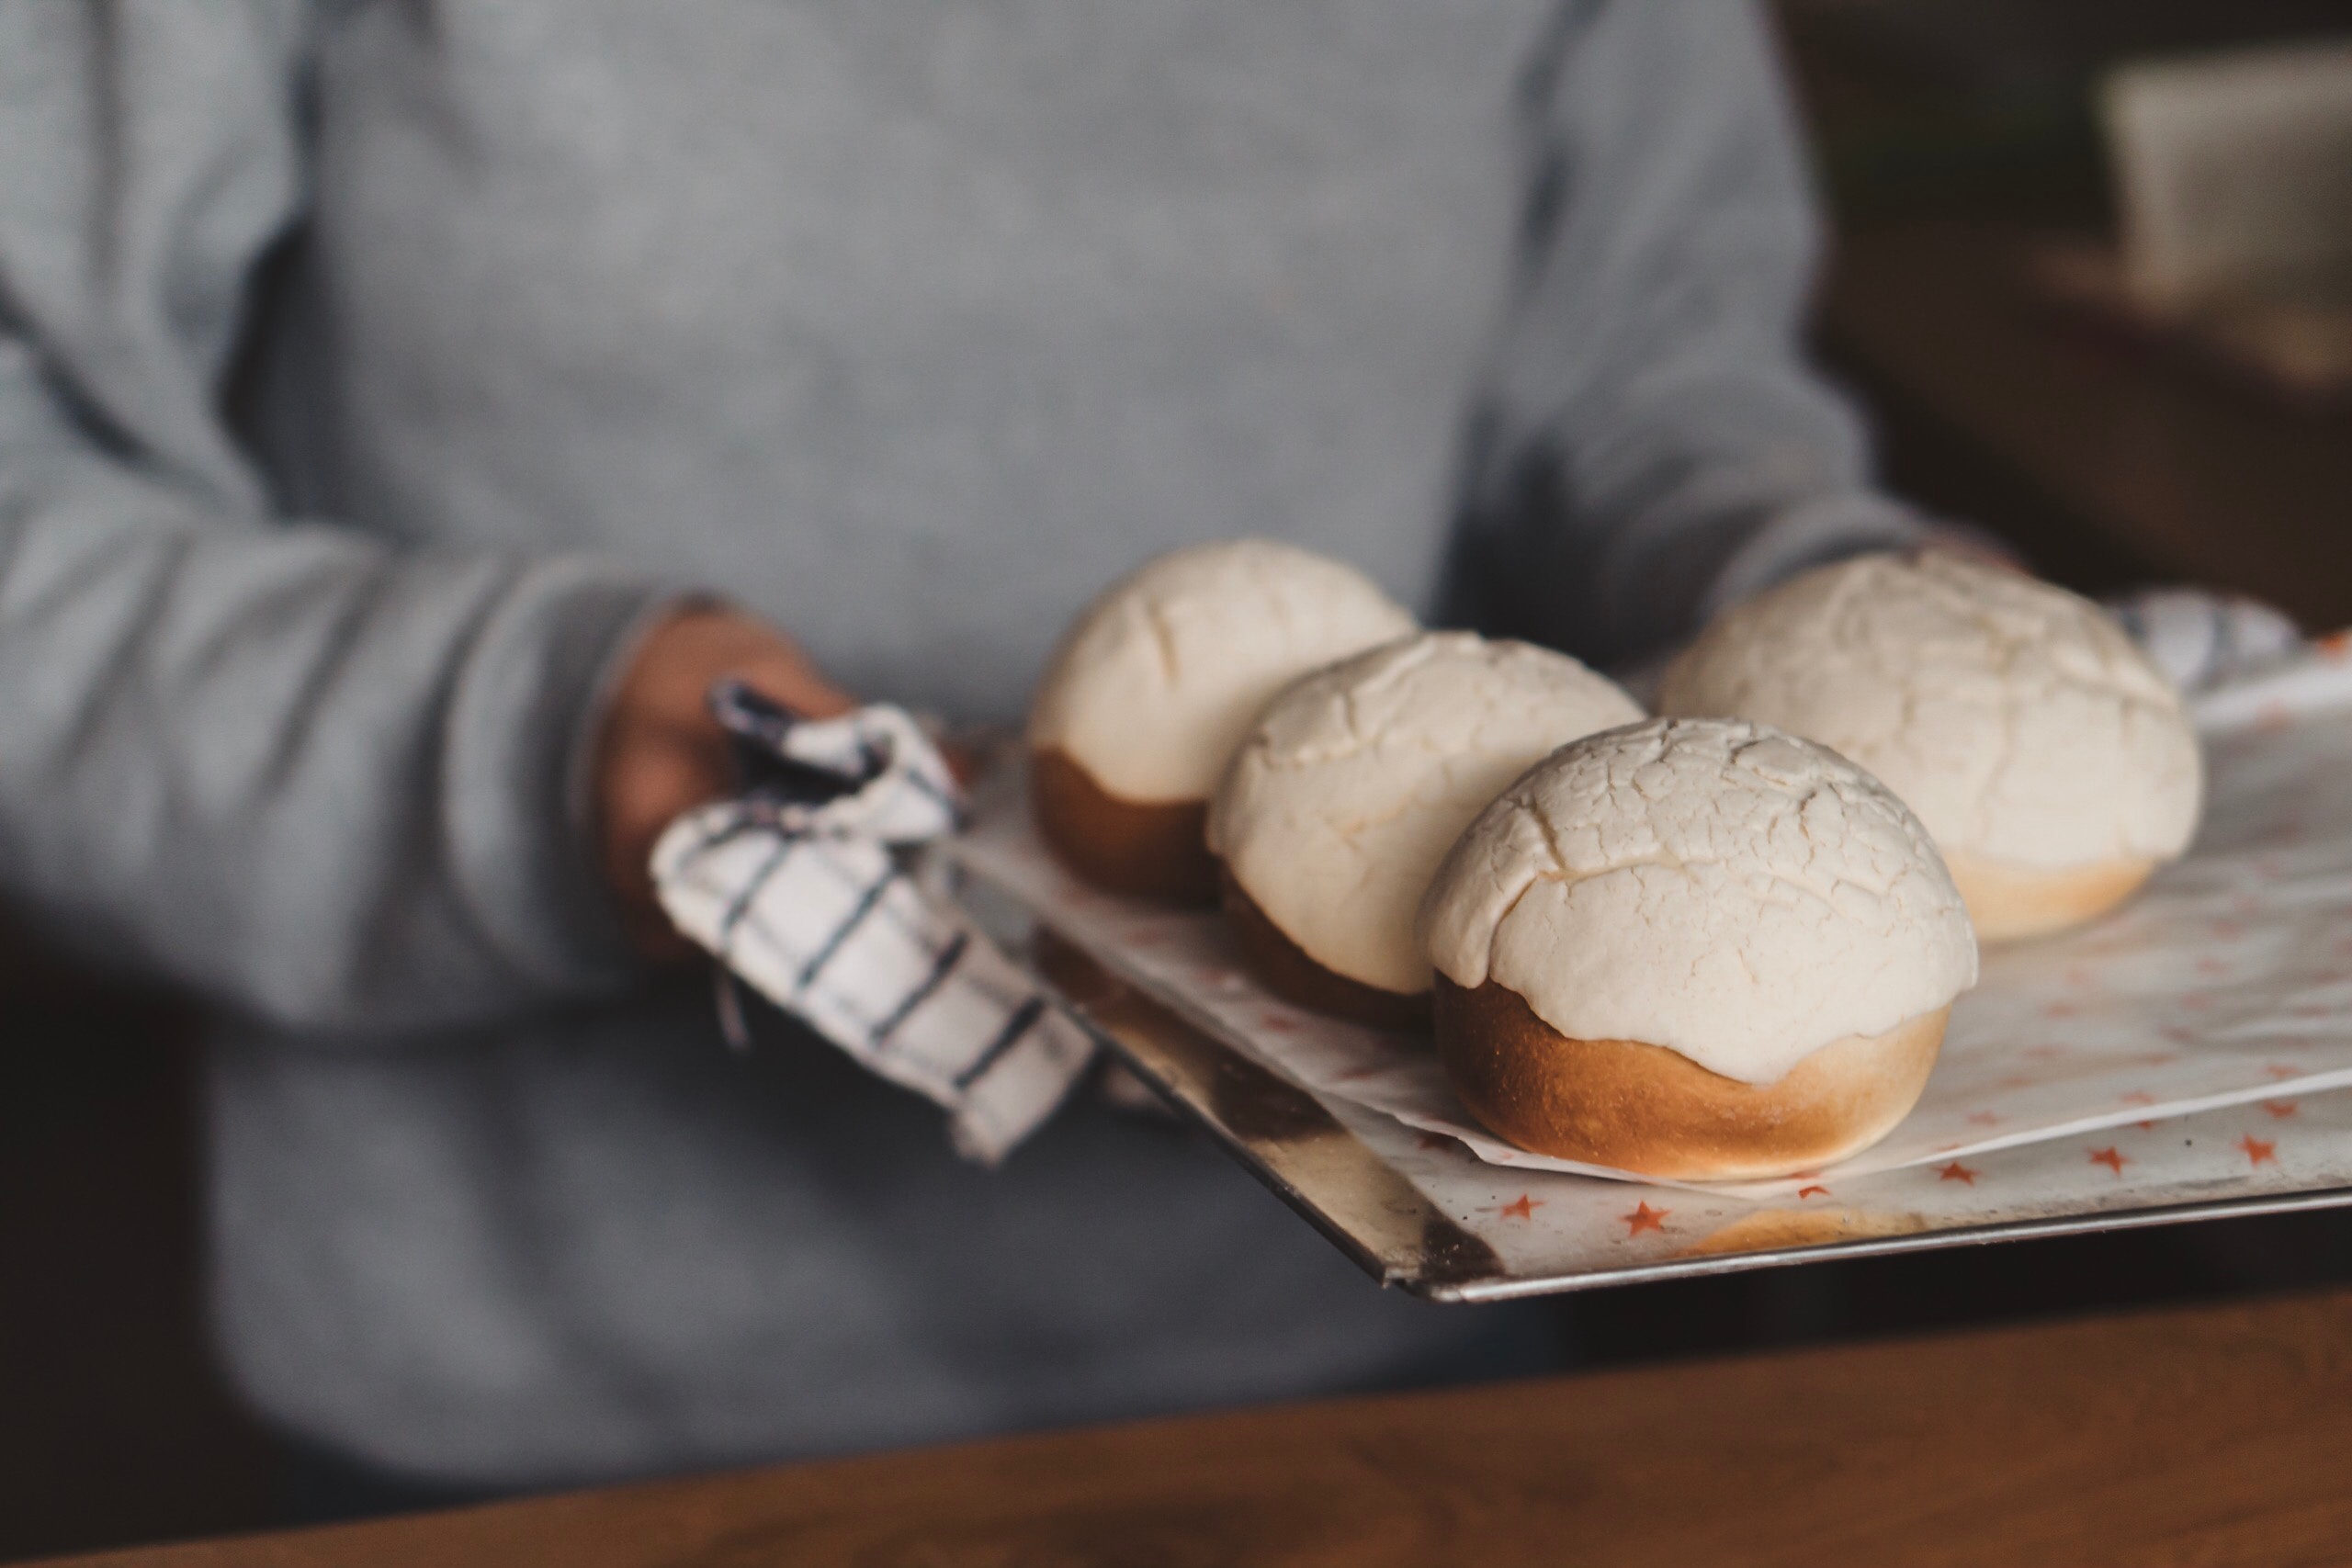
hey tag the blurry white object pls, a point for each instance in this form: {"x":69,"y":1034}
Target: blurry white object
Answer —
{"x":2233,"y":169}
{"x":2202,"y":639}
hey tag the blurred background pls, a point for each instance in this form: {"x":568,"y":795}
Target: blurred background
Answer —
{"x":2092,"y":273}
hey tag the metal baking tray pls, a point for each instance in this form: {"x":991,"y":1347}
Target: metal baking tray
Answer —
{"x":1423,"y":1214}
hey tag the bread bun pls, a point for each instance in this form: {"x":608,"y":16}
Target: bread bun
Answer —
{"x":2009,"y":903}
{"x":1141,"y":849}
{"x":1283,"y":968}
{"x":1646,"y":1108}
{"x":2049,"y":759}
{"x":1153,"y":687}
{"x":1698,"y":949}
{"x":1355,"y":782}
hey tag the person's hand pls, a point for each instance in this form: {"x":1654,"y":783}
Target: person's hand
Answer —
{"x":661,"y":752}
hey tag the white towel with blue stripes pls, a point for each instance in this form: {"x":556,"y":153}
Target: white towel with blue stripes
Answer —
{"x":800,"y":887}
{"x":2203,"y":639}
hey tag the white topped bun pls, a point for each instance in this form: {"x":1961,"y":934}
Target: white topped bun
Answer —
{"x":1159,"y":678}
{"x":1357,"y":780}
{"x":2049,"y":757}
{"x":1152,"y":688}
{"x":1696,"y":949}
{"x":1718,"y":888}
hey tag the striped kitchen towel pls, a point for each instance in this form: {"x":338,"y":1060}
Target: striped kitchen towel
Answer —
{"x":798,"y":886}
{"x":2205,"y":640}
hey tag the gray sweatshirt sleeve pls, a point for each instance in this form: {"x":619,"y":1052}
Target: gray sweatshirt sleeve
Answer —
{"x":303,"y":773}
{"x":1647,"y":441}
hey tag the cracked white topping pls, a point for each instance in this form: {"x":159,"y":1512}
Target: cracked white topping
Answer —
{"x":1358,"y":779}
{"x":2017,"y":719}
{"x":1159,"y":678}
{"x":1716,"y":887}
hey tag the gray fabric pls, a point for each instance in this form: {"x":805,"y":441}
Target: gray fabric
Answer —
{"x":909,"y":324}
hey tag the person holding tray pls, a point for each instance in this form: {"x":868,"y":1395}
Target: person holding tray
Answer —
{"x":406,"y":413}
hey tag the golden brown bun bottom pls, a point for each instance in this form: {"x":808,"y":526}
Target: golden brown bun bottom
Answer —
{"x":2007,"y":902}
{"x":1283,"y":968}
{"x":1143,"y":849}
{"x":1644,"y":1108}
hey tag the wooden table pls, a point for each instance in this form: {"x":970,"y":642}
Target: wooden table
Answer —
{"x":2212,"y":1436}
{"x":2107,"y":459}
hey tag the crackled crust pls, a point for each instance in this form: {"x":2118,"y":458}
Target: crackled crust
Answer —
{"x":1357,"y":780}
{"x":1156,"y":682}
{"x":2015,"y":719}
{"x":1713,"y":887}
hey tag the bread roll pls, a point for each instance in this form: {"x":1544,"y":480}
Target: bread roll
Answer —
{"x":1355,"y":782}
{"x":1698,"y":949}
{"x":2049,"y":757}
{"x":1283,"y":968}
{"x":1153,"y":687}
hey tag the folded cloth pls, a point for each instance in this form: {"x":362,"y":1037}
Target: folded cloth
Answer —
{"x":798,"y":886}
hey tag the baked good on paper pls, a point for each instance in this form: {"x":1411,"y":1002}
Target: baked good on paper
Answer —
{"x":1352,"y":786}
{"x":1153,"y":687}
{"x":1694,"y":948}
{"x":2051,"y":761}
